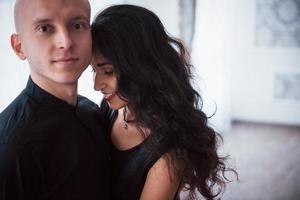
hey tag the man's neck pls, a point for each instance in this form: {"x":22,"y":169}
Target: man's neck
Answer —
{"x":65,"y":92}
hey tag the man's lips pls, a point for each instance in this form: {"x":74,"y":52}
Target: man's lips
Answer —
{"x":65,"y":60}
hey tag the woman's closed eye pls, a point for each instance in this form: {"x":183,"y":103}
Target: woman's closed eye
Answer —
{"x":106,"y":69}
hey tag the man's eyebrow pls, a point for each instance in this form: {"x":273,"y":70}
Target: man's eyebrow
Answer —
{"x":80,"y":17}
{"x":42,"y":21}
{"x":48,"y":20}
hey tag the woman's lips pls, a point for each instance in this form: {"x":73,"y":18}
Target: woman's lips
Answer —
{"x":109,"y":96}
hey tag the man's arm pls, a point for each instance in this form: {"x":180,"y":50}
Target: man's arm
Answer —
{"x":19,"y":174}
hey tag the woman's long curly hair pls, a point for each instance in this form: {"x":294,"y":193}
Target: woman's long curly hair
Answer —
{"x":154,"y":75}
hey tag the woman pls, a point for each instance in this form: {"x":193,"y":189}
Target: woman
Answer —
{"x":161,"y":142}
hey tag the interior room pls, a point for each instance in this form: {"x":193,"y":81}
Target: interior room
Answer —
{"x":246,"y":58}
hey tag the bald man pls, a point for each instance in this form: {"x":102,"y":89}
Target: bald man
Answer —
{"x":52,"y":144}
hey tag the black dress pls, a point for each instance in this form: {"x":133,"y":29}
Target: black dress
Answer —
{"x":129,"y":167}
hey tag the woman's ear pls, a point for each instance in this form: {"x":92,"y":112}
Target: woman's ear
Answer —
{"x":16,"y":44}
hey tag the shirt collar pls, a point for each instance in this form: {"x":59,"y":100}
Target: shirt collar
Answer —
{"x":34,"y":91}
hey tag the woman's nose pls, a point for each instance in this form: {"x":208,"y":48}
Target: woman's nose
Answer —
{"x":99,"y":83}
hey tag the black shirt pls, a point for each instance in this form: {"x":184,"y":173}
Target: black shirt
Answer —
{"x":52,"y":150}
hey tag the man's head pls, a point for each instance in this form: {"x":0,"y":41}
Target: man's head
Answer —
{"x":54,"y":36}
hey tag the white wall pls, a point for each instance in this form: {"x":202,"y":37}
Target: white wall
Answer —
{"x":238,"y":75}
{"x":253,"y":73}
{"x":211,"y":53}
{"x":13,"y":72}
{"x":167,"y":10}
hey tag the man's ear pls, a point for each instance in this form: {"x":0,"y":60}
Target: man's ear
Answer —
{"x":16,"y":44}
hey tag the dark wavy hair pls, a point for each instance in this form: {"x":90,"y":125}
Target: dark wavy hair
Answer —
{"x":154,"y":75}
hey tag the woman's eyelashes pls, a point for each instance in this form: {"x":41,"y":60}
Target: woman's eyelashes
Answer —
{"x":106,"y":70}
{"x":109,"y":72}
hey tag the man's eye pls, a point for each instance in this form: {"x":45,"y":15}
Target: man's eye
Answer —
{"x":44,"y":28}
{"x":78,"y":26}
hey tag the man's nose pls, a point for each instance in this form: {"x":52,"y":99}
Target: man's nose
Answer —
{"x":63,"y":39}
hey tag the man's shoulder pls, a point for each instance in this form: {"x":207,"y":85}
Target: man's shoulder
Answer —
{"x":89,"y":112}
{"x":86,"y":106}
{"x":14,"y":110}
{"x":15,"y":117}
{"x":85,"y":102}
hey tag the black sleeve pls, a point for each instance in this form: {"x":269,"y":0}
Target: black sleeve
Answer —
{"x":93,"y":116}
{"x":108,"y":114}
{"x":19,"y":173}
